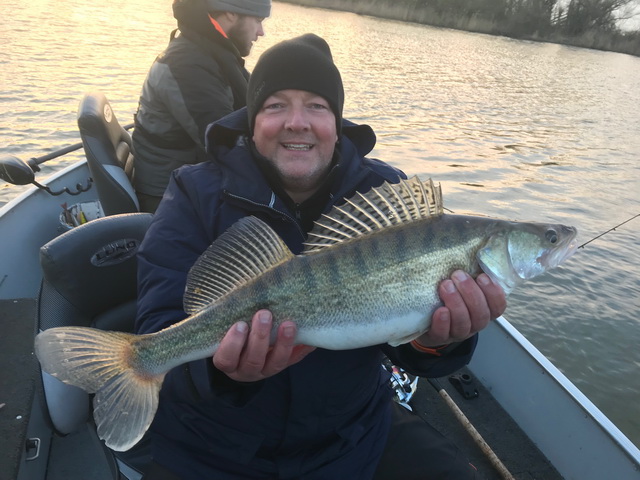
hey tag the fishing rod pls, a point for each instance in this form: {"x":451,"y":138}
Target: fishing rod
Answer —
{"x":610,"y":230}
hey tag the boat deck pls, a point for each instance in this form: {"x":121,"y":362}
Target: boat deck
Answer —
{"x":514,"y":449}
{"x":17,"y":379}
{"x":17,"y":390}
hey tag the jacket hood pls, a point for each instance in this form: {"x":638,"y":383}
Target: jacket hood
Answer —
{"x":192,"y":14}
{"x":193,"y":22}
{"x":227,"y":130}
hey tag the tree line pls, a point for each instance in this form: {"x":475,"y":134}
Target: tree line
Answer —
{"x":583,"y":23}
{"x":587,"y":23}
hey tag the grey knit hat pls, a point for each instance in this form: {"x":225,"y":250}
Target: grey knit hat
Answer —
{"x":253,"y":8}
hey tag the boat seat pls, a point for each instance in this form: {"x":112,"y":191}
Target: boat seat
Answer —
{"x":89,"y":279}
{"x":107,"y":146}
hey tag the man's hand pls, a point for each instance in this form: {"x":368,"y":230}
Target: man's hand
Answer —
{"x":469,"y":306}
{"x":246,"y":356}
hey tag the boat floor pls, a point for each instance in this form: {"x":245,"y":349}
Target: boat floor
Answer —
{"x":18,"y":386}
{"x":505,"y":438}
{"x":17,"y":379}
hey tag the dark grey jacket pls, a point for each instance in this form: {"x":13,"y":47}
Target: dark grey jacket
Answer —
{"x":198,"y":79}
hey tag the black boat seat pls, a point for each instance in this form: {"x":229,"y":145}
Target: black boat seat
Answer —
{"x":89,"y":279}
{"x":107,"y":146}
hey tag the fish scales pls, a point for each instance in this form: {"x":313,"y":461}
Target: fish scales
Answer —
{"x":369,"y":274}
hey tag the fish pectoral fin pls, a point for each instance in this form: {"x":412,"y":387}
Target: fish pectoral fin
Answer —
{"x":98,"y":361}
{"x":246,"y":250}
{"x":381,"y":207}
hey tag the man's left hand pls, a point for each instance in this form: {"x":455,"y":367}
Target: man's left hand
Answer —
{"x":469,"y":306}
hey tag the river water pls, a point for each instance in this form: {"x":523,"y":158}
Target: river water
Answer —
{"x":515,"y":129}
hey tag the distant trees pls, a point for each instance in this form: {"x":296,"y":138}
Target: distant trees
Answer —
{"x":541,"y":16}
{"x":531,"y":16}
{"x":586,"y":15}
{"x":583,"y":23}
{"x":588,"y":23}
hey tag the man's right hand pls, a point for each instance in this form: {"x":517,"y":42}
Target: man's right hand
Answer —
{"x":245,"y":355}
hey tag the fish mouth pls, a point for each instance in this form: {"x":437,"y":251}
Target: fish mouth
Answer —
{"x":571,"y":249}
{"x":561,"y":254}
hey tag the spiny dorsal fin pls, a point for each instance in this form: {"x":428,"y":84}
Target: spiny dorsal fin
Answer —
{"x":247,"y":249}
{"x":390,"y":204}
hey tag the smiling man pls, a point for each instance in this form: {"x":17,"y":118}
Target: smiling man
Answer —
{"x":284,"y":411}
{"x":296,"y":131}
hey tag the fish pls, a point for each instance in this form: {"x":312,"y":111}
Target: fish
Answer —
{"x":368,"y":275}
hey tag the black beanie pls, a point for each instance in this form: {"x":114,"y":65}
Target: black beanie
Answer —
{"x":302,"y":63}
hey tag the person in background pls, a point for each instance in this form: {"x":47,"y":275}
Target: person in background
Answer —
{"x":198,"y":79}
{"x":287,"y":411}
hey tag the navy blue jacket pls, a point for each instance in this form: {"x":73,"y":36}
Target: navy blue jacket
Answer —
{"x":327,"y":416}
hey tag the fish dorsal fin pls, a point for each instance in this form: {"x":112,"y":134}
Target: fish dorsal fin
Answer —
{"x":247,"y":249}
{"x":381,"y":207}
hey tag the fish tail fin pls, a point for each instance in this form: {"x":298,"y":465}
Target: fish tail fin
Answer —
{"x":100,"y":362}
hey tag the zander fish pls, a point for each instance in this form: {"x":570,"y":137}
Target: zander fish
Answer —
{"x":368,"y":275}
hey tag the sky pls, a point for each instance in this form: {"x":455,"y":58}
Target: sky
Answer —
{"x":632,"y":23}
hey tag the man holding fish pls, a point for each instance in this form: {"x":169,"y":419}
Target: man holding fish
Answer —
{"x":265,"y":409}
{"x":297,"y":263}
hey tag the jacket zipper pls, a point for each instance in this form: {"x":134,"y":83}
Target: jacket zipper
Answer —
{"x":268,"y":207}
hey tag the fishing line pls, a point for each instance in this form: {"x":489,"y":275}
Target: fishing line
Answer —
{"x":610,"y":230}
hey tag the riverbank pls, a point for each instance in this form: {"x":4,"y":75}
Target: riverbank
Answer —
{"x":515,"y":26}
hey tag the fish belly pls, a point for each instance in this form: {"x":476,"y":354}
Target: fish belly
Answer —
{"x":395,"y":331}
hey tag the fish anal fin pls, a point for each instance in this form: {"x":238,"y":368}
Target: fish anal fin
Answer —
{"x":381,"y":207}
{"x":246,"y":250}
{"x":401,"y":341}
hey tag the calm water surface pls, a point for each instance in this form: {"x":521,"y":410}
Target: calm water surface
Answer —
{"x":514,"y":129}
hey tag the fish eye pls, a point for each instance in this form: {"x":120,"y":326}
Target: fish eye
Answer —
{"x":551,"y":236}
